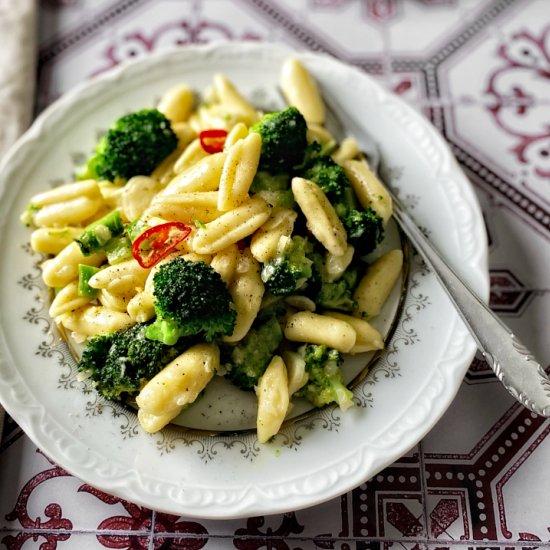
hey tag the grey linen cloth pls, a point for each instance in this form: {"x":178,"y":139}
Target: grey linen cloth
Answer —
{"x":18,"y":29}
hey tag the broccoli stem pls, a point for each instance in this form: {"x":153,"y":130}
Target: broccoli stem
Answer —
{"x":118,"y":249}
{"x":342,"y":396}
{"x":164,"y":330}
{"x":99,"y":233}
{"x":85,"y":273}
{"x":325,"y":383}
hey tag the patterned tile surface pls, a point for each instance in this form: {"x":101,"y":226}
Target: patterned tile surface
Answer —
{"x":480,"y":69}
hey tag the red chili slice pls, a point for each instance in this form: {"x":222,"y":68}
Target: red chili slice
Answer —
{"x":213,"y":140}
{"x":156,"y":242}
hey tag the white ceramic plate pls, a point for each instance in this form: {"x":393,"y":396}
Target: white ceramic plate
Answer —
{"x":231,"y":475}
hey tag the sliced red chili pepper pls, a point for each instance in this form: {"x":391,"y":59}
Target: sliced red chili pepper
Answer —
{"x":157,"y":241}
{"x":213,"y":140}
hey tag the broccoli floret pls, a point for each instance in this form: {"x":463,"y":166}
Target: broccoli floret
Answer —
{"x":339,"y":294}
{"x":274,"y":189}
{"x":134,"y":145}
{"x":329,"y":292}
{"x":364,"y":227}
{"x":272,"y":306}
{"x":246,"y":361}
{"x":190,"y":298}
{"x":290,"y":269}
{"x":284,"y":140}
{"x":121,"y":363}
{"x":328,"y":175}
{"x":325,"y":377}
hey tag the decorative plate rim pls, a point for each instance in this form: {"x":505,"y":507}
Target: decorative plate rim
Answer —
{"x":297,"y":490}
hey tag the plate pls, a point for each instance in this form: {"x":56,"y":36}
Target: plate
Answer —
{"x":315,"y":458}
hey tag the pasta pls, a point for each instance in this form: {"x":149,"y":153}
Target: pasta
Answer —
{"x":347,"y":150}
{"x":247,"y":291}
{"x":67,"y":212}
{"x":214,"y":200}
{"x":113,"y":301}
{"x":202,"y":175}
{"x":67,"y":300}
{"x":186,"y":207}
{"x":320,"y":134}
{"x":301,"y":91}
{"x":231,"y":227}
{"x":190,"y":155}
{"x":63,"y":268}
{"x":177,"y":103}
{"x":141,"y":308}
{"x":369,"y":189}
{"x":273,"y":399}
{"x":367,"y":338}
{"x":52,"y":240}
{"x":313,"y":328}
{"x":225,"y":262}
{"x":265,"y":241}
{"x":233,"y":101}
{"x":296,"y":371}
{"x":178,"y":384}
{"x":111,"y":193}
{"x":335,"y":266}
{"x":321,"y":217}
{"x":121,"y":278}
{"x":239,"y":131}
{"x":68,"y":191}
{"x":137,"y":194}
{"x":376,"y":285}
{"x":91,"y":320}
{"x":239,"y":169}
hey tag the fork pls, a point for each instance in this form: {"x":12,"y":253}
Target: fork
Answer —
{"x":513,"y":364}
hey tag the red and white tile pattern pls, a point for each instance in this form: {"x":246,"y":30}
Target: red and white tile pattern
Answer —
{"x":480,"y":69}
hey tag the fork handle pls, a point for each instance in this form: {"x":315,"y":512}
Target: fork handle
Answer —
{"x":514,"y":365}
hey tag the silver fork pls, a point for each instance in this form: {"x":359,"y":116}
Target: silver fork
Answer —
{"x":514,"y":365}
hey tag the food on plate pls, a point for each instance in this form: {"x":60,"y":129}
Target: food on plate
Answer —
{"x":190,"y":299}
{"x":205,"y":237}
{"x":134,"y":145}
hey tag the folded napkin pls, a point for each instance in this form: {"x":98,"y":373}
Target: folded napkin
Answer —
{"x":18,"y":29}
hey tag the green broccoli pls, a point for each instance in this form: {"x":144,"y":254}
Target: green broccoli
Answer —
{"x":119,"y":249}
{"x":274,"y":189}
{"x":325,"y":377}
{"x":284,"y":140}
{"x":364,"y":227}
{"x":121,"y":363}
{"x":328,"y":175}
{"x":134,"y":145}
{"x":290,"y":269}
{"x":99,"y":233}
{"x":85,"y":273}
{"x":339,"y":294}
{"x":190,"y":298}
{"x":246,"y":361}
